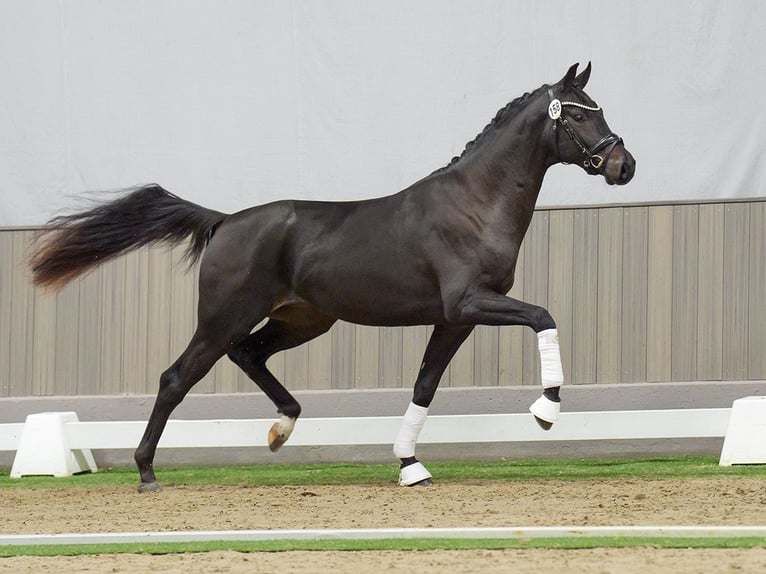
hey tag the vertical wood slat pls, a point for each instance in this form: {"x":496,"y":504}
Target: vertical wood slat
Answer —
{"x":486,"y":355}
{"x":366,"y":361}
{"x":757,"y":293}
{"x":710,"y":293}
{"x":390,"y":363}
{"x":634,"y":295}
{"x":609,"y":312}
{"x":7,"y":271}
{"x":560,"y":282}
{"x":21,"y":318}
{"x":320,"y":362}
{"x":344,"y":360}
{"x":536,"y":246}
{"x":67,"y":339}
{"x":685,"y":279}
{"x":735,"y":290}
{"x":113,"y":293}
{"x":137,"y":322}
{"x":659,"y":296}
{"x":89,"y":335}
{"x":510,"y":366}
{"x":585,"y":296}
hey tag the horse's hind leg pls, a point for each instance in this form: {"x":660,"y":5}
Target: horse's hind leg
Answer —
{"x":442,"y":346}
{"x":198,"y":358}
{"x":220,"y":327}
{"x":251,"y":356}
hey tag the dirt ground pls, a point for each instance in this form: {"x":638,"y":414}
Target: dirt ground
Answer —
{"x":729,"y":501}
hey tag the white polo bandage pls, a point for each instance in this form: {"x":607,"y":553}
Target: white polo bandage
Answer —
{"x":551,"y":372}
{"x":412,"y":424}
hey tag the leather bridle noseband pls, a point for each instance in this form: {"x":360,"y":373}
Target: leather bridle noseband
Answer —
{"x":594,"y":161}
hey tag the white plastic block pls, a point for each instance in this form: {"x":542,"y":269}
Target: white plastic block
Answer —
{"x":745,"y":441}
{"x":44,"y":449}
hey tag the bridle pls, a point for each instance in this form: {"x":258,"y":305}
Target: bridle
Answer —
{"x":593,"y":160}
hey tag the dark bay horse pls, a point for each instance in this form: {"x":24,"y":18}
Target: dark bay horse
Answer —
{"x":441,"y":252}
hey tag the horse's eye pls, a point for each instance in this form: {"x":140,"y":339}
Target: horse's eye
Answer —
{"x":579,"y":117}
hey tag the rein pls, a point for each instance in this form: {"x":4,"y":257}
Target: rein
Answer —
{"x":593,"y":160}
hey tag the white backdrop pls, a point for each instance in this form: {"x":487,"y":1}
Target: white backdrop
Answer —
{"x":231,"y":103}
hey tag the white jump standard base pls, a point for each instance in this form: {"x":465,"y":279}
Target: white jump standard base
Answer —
{"x":44,"y":448}
{"x":745,"y":441}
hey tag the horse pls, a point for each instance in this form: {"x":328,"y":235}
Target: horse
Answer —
{"x":441,"y":252}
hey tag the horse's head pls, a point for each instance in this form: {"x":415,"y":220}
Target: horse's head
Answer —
{"x":581,"y":133}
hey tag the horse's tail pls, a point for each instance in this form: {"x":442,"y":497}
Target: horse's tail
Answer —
{"x":72,"y":245}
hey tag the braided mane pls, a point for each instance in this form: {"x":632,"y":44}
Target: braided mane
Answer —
{"x":501,"y":117}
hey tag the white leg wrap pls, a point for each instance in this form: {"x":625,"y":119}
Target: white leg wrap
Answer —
{"x":412,"y":424}
{"x":551,"y":373}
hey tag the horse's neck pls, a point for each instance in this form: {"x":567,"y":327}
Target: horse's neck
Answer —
{"x":506,"y":174}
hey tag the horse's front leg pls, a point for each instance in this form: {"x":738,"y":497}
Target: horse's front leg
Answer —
{"x":488,"y":308}
{"x":444,"y":343}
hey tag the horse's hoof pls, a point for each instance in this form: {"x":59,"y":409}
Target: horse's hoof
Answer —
{"x":424,"y":482}
{"x":149,"y":487}
{"x":545,"y":425}
{"x":276,"y":438}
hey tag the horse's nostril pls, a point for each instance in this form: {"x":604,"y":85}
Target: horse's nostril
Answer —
{"x":625,"y":171}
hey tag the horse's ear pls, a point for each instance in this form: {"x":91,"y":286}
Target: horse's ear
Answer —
{"x":582,"y":79}
{"x":569,"y":79}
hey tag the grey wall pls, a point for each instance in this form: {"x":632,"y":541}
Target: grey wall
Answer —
{"x":233,"y":103}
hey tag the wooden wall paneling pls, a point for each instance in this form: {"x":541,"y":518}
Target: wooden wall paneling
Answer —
{"x":21,"y":318}
{"x":7,"y":271}
{"x":757,"y":293}
{"x":659,"y":296}
{"x":585,"y":296}
{"x":344,"y":359}
{"x":320,"y":362}
{"x":366,"y":358}
{"x":44,"y":378}
{"x":536,"y":245}
{"x":735,"y":290}
{"x":510,"y":369}
{"x":634,"y":294}
{"x":609,"y":312}
{"x":461,"y":367}
{"x":89,"y":326}
{"x":158,"y":354}
{"x":486,"y":355}
{"x":710,"y":293}
{"x":390,"y":352}
{"x":138,"y":335}
{"x":685,"y":281}
{"x":113,"y":295}
{"x":560,"y":282}
{"x":67,"y":339}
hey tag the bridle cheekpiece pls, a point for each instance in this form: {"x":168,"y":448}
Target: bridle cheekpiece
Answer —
{"x":593,"y":160}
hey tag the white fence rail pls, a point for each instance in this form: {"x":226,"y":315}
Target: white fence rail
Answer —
{"x":597,"y":425}
{"x":47,"y":437}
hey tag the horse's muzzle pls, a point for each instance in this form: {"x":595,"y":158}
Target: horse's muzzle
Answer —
{"x":620,"y":167}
